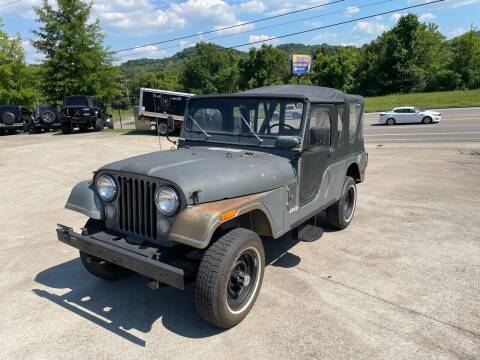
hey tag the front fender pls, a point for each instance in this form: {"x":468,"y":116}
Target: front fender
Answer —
{"x":195,"y":225}
{"x":85,"y":200}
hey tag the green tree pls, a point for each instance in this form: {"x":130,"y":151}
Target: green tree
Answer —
{"x":164,"y":80}
{"x":402,"y":59}
{"x":15,"y":87}
{"x":465,"y":58}
{"x":210,"y":70}
{"x":76,"y":61}
{"x":264,"y":66}
{"x":337,"y":70}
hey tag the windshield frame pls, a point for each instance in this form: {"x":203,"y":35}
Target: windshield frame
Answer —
{"x":190,"y":128}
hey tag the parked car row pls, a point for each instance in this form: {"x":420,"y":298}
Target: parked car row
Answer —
{"x":82,"y":112}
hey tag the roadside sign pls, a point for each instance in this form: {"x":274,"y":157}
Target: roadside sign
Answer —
{"x":301,"y":64}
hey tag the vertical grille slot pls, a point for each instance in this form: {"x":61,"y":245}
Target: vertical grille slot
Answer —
{"x":137,"y":211}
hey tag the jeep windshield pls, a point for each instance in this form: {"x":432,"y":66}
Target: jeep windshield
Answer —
{"x":244,"y":116}
{"x":76,"y":101}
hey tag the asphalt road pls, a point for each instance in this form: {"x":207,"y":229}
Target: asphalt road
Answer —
{"x":402,"y":282}
{"x":457,"y":125}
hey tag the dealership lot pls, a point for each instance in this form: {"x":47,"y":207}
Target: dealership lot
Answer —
{"x":402,"y":282}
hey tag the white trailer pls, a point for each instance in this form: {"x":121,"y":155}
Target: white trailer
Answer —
{"x":157,"y":105}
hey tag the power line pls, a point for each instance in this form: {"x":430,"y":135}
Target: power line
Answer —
{"x":231,"y":26}
{"x":298,"y":32}
{"x":10,"y":3}
{"x":257,"y":29}
{"x":16,"y":12}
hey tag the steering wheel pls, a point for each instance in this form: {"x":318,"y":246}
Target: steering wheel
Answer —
{"x":270,"y":127}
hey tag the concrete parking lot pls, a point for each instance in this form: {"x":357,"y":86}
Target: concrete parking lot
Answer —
{"x":402,"y":282}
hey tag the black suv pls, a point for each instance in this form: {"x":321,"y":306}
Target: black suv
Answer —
{"x":84,"y":112}
{"x":46,"y":117}
{"x":13,"y":118}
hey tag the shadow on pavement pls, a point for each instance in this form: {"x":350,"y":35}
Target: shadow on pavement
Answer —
{"x":128,"y":304}
{"x":123,"y":305}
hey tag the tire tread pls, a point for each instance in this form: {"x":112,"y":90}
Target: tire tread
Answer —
{"x":209,"y":272}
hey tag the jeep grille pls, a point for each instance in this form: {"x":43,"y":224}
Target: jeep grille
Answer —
{"x":138,"y":214}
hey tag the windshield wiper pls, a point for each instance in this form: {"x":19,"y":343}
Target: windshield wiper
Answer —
{"x":260,"y":140}
{"x":203,"y":131}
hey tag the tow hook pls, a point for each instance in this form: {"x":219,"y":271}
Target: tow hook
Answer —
{"x":155,"y":284}
{"x":64,"y":228}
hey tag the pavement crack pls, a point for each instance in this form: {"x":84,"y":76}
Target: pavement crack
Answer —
{"x":412,"y":311}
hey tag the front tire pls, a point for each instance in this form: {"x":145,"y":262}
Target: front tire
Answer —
{"x":96,"y":266}
{"x":103,"y":269}
{"x":98,"y":125}
{"x":427,"y":120}
{"x":229,"y":278}
{"x":67,"y":128}
{"x":340,"y":214}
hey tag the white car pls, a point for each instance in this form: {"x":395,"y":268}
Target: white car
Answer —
{"x":292,"y":111}
{"x":409,"y":114}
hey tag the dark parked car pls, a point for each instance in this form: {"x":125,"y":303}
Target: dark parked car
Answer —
{"x":241,"y":172}
{"x":13,"y":118}
{"x":46,"y":117}
{"x":84,"y":112}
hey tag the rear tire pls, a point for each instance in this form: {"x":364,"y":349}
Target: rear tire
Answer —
{"x":163,"y":128}
{"x":8,"y":118}
{"x":390,"y":122}
{"x":229,"y":278}
{"x":340,"y":214}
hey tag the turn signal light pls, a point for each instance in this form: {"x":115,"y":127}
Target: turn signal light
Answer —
{"x":228,"y":215}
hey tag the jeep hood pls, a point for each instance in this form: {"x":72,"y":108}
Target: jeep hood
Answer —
{"x":216,"y":173}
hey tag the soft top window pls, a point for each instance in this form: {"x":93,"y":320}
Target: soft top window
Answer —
{"x":354,"y":120}
{"x":76,"y":101}
{"x":13,"y":109}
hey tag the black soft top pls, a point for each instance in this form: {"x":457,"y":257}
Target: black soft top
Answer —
{"x":315,"y":94}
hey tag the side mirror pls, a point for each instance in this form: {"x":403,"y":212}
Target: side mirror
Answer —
{"x":171,"y":123}
{"x":287,"y":142}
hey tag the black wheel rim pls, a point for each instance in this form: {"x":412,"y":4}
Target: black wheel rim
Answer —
{"x":242,"y":280}
{"x":163,"y":129}
{"x":349,"y":204}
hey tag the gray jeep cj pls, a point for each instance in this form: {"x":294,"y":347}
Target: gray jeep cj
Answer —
{"x":245,"y":167}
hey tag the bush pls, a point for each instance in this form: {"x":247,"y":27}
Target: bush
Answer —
{"x":473,"y":79}
{"x":445,"y":80}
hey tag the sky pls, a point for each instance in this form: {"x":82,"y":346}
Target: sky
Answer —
{"x":131,"y":23}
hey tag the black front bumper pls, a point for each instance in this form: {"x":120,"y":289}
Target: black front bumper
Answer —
{"x":41,"y":125}
{"x":116,"y":250}
{"x":79,"y":120}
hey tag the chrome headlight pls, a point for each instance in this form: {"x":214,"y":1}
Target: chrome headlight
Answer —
{"x":167,"y":201}
{"x":106,"y":187}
